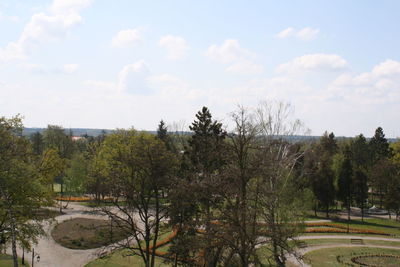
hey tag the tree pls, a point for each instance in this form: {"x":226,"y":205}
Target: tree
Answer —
{"x":162,"y":134}
{"x":379,"y":146}
{"x":50,"y":166}
{"x":282,"y":203}
{"x":382,"y":173}
{"x":322,"y":179}
{"x":360,"y":153}
{"x":37,"y":143}
{"x":240,"y":192}
{"x":345,"y":181}
{"x":138,"y":167}
{"x":202,"y":163}
{"x":21,"y":191}
{"x":76,"y":175}
{"x":361,"y":189}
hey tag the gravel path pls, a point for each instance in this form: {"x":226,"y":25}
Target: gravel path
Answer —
{"x":54,"y":255}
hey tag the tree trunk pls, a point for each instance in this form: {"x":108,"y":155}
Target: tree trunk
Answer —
{"x":362,"y":211}
{"x":14,"y":241}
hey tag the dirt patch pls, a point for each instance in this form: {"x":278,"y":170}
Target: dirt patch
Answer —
{"x":82,"y":233}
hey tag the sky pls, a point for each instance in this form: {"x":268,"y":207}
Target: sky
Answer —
{"x":126,"y":63}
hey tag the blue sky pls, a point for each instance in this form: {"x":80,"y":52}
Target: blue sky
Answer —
{"x":107,"y":64}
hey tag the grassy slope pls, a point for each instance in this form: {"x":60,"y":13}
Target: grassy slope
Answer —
{"x":7,"y":261}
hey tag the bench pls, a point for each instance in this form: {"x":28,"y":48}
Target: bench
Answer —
{"x":357,"y":241}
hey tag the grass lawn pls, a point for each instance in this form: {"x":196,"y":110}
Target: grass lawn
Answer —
{"x":265,"y":254}
{"x":57,"y":188}
{"x":7,"y":261}
{"x":82,"y":233}
{"x":120,"y":259}
{"x":327,"y":257}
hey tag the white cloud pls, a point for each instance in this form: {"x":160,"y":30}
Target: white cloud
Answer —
{"x":132,"y":78}
{"x":305,"y":34}
{"x":314,"y":62}
{"x":387,"y":68}
{"x":228,"y":52}
{"x":126,"y":38}
{"x":288,"y":32}
{"x":379,"y":86}
{"x":70,"y":68}
{"x":45,"y":27}
{"x":176,"y":46}
{"x":245,"y":67}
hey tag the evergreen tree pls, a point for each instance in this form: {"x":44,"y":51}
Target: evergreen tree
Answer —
{"x":360,"y":189}
{"x":37,"y":143}
{"x":323,"y":176}
{"x":379,"y":146}
{"x":206,"y":144}
{"x":345,"y":181}
{"x":162,"y":134}
{"x":202,"y":164}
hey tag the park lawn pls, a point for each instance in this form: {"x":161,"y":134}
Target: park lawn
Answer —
{"x":7,"y":261}
{"x":82,"y":233}
{"x":335,"y":241}
{"x":57,"y":188}
{"x":310,"y":216}
{"x":120,"y":259}
{"x":264,"y":254}
{"x":327,"y":257}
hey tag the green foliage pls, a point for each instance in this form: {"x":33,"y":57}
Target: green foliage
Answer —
{"x":345,"y":179}
{"x":21,"y":190}
{"x":76,"y":175}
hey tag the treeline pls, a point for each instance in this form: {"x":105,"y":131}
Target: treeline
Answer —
{"x":224,"y":194}
{"x":354,"y":172}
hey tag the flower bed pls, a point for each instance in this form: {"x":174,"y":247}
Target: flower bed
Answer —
{"x":74,"y":199}
{"x":335,"y":228}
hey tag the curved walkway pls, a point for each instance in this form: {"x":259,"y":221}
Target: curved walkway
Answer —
{"x":54,"y":255}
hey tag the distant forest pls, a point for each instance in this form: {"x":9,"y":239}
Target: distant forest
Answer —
{"x":97,"y":132}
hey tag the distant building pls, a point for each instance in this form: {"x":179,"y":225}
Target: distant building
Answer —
{"x":76,"y":138}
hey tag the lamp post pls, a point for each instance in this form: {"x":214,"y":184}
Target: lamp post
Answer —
{"x":37,"y":256}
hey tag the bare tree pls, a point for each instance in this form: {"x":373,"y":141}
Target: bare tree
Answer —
{"x":281,"y":203}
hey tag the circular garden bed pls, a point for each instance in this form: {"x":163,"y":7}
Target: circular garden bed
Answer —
{"x":377,"y":260}
{"x":82,"y":233}
{"x":354,"y":256}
